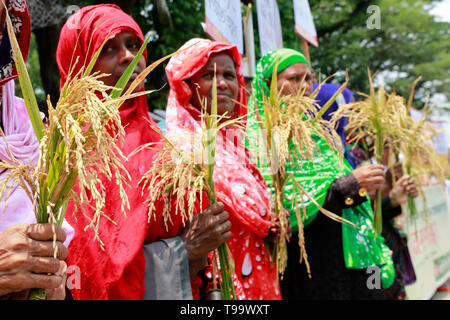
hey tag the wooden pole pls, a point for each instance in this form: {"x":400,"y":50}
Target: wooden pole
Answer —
{"x":247,"y":45}
{"x":306,"y":50}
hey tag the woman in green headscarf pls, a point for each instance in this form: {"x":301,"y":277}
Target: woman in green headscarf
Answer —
{"x":345,"y":262}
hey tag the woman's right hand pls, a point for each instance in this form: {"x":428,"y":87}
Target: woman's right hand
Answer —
{"x":26,"y":258}
{"x":370,"y":177}
{"x":205,"y":233}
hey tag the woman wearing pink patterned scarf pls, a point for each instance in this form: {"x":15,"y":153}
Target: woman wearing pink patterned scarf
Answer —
{"x":238,"y":183}
{"x":26,"y":248}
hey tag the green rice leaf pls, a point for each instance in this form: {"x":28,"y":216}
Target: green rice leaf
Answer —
{"x":211,"y":137}
{"x":62,"y":196}
{"x":94,"y":59}
{"x":25,"y":82}
{"x":122,"y":82}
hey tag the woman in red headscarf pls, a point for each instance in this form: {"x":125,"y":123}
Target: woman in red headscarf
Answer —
{"x":238,"y":183}
{"x":118,"y":271}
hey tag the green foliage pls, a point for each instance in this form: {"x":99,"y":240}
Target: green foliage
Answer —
{"x":186,"y":17}
{"x":409,"y":43}
{"x":34,"y":70}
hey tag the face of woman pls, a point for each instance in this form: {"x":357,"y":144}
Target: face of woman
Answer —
{"x":227,"y":84}
{"x":116,"y":55}
{"x":291,"y":78}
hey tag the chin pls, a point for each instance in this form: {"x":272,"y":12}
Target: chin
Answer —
{"x":222,"y":110}
{"x":140,"y":87}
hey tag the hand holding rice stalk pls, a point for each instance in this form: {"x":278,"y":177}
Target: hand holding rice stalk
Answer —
{"x":80,"y":143}
{"x":289,"y":126}
{"x":376,"y":117}
{"x":186,"y":175}
{"x":419,"y":153}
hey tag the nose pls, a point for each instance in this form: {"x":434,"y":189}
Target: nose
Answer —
{"x":126,"y":56}
{"x":306,"y":86}
{"x":221,"y":83}
{"x":309,"y":87}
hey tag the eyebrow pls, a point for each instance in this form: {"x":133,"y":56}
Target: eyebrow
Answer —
{"x":211,"y":68}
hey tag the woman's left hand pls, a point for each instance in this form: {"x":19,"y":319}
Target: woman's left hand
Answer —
{"x":404,"y":187}
{"x":275,"y":230}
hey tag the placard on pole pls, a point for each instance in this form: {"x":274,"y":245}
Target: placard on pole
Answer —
{"x":304,"y":25}
{"x":223,"y":22}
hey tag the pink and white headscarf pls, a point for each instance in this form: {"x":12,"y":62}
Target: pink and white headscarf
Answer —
{"x":238,"y":183}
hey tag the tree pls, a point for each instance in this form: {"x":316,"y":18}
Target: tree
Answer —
{"x":409,"y":42}
{"x":172,"y":24}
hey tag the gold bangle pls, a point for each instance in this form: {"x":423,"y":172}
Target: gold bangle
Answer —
{"x":362,"y":192}
{"x":349,"y":201}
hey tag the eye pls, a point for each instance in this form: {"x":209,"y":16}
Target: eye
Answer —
{"x":230,"y":75}
{"x":108,"y":48}
{"x":208,"y":75}
{"x":133,"y":45}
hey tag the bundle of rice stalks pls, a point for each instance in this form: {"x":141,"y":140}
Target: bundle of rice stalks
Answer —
{"x":379,"y":116}
{"x":386,"y":118}
{"x":185,"y":175}
{"x":288,"y":129}
{"x":80,"y":143}
{"x":421,"y":160}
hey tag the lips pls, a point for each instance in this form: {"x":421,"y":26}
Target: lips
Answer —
{"x":223,"y":96}
{"x":134,"y":75}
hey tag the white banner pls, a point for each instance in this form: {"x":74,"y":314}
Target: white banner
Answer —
{"x":224,"y":21}
{"x":269,"y":25}
{"x":440,"y":142}
{"x":415,"y":114}
{"x":429,"y":243}
{"x":304,"y":23}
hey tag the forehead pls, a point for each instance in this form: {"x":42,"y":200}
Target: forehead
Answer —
{"x":298,"y":68}
{"x":124,"y":35}
{"x":221,"y":60}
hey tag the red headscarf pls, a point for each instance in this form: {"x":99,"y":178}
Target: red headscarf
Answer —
{"x":238,"y":183}
{"x":118,"y":271}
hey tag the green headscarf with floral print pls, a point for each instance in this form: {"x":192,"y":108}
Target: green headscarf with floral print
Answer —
{"x":362,"y":248}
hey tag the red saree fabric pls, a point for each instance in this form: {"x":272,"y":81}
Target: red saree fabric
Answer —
{"x":238,"y":183}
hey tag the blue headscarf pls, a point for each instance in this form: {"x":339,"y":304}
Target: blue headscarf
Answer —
{"x":325,"y":93}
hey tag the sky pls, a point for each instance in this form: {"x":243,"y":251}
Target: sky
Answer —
{"x":442,"y":10}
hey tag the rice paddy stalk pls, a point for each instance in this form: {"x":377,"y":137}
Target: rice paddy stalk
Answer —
{"x":183,"y":173}
{"x":376,"y":117}
{"x":210,"y":146}
{"x":421,"y":159}
{"x":289,"y":124}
